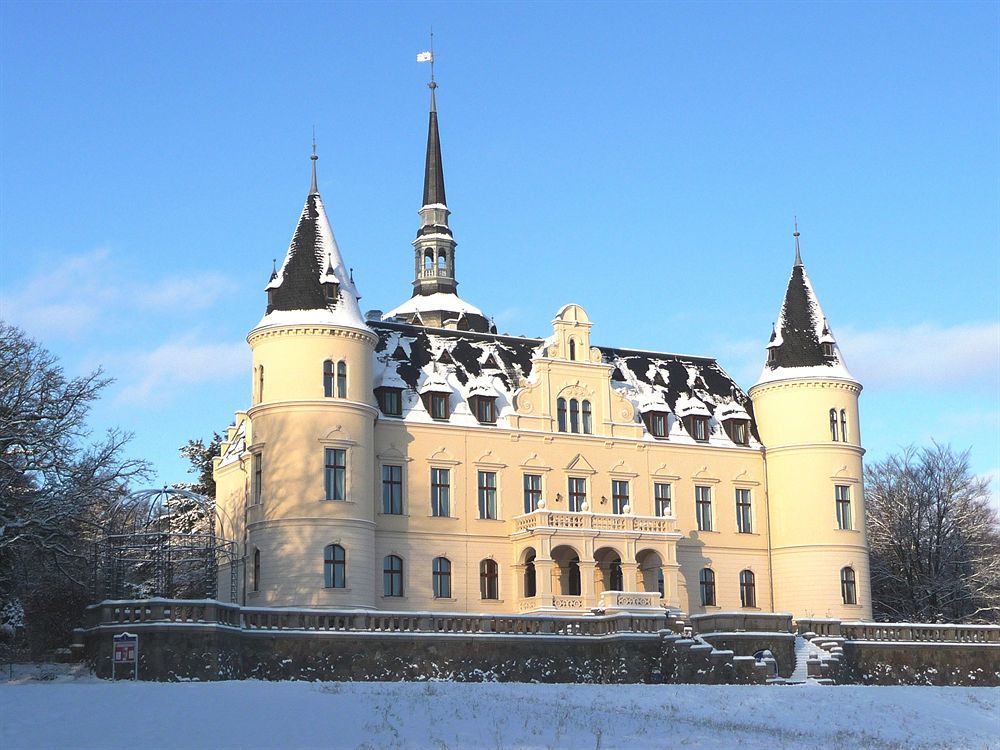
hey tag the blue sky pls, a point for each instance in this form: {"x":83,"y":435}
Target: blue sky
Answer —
{"x":643,"y":160}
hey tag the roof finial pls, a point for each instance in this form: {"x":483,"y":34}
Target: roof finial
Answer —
{"x":314,"y":189}
{"x":429,"y":57}
{"x":795,"y":234}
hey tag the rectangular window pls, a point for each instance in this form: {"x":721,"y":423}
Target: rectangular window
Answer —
{"x":532,"y":492}
{"x":619,"y":496}
{"x":656,"y":423}
{"x":488,"y":494}
{"x":258,"y":476}
{"x":703,"y":507}
{"x":700,"y":431}
{"x":439,"y":405}
{"x":661,"y":498}
{"x":390,"y":401}
{"x":738,"y":430}
{"x":577,"y":493}
{"x":392,"y":490}
{"x":336,"y":474}
{"x":440,"y":492}
{"x":484,"y":407}
{"x":743,"y":521}
{"x":843,"y":495}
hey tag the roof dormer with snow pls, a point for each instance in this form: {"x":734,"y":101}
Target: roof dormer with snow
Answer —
{"x":435,"y":302}
{"x":312,"y":285}
{"x":802,"y":344}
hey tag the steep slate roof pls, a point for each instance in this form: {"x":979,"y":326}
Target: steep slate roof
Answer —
{"x":433,"y":166}
{"x":313,"y":259}
{"x":796,"y":345}
{"x":408,"y":356}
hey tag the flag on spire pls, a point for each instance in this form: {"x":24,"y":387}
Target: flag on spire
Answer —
{"x":425,"y":57}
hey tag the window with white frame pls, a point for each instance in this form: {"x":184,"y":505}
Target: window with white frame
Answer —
{"x":842,"y":494}
{"x":440,"y":492}
{"x":488,"y":495}
{"x":619,"y":496}
{"x":748,"y":589}
{"x":661,"y":499}
{"x":577,"y":493}
{"x":334,"y":566}
{"x":392,"y":575}
{"x":488,"y":580}
{"x":744,"y":522}
{"x":392,"y":490}
{"x":706,"y":582}
{"x":336,"y":473}
{"x":532,"y":492}
{"x":441,"y":574}
{"x":848,"y":585}
{"x":703,"y":507}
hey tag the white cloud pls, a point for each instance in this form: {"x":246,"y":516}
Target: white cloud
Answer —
{"x":82,"y":294}
{"x":154,"y":377}
{"x":926,"y":354}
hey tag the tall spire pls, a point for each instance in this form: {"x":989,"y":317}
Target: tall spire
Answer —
{"x":795,"y":234}
{"x":433,"y":166}
{"x":314,"y":188}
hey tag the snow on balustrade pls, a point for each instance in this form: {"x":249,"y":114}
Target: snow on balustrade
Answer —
{"x":542,"y":519}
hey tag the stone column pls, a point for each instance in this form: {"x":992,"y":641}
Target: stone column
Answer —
{"x":587,"y":588}
{"x":543,"y":577}
{"x":630,"y":571}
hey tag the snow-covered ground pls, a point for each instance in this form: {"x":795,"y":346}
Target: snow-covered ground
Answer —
{"x":79,"y":711}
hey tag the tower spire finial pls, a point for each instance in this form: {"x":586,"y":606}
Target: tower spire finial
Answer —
{"x":314,"y":188}
{"x":795,"y":234}
{"x":433,"y":84}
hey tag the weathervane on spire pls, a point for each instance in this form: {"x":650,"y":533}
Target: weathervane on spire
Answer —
{"x":795,"y":234}
{"x":428,"y":56}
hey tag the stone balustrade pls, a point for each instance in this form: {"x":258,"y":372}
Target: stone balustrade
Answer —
{"x":623,"y":601}
{"x":912,"y":632}
{"x":735,"y":622}
{"x":585,"y":520}
{"x":207,"y":612}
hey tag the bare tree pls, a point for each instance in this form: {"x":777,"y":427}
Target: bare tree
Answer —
{"x":934,"y":538}
{"x":57,"y":488}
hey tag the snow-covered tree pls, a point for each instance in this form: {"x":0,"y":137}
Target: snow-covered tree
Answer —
{"x":58,"y":489}
{"x":934,"y":538}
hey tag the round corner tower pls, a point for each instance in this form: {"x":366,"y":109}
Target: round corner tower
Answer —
{"x":806,"y":409}
{"x":310,"y":509}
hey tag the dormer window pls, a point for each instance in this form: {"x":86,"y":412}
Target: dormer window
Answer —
{"x":330,"y":290}
{"x":390,"y":401}
{"x":771,"y":355}
{"x":656,"y":423}
{"x":827,"y":349}
{"x":738,"y":430}
{"x":436,"y":403}
{"x":697,"y":427}
{"x":485,"y":408}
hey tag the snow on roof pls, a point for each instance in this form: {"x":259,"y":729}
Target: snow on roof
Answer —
{"x":236,"y":446}
{"x":433,"y":302}
{"x":797,"y":344}
{"x":313,"y":258}
{"x":496,"y":365}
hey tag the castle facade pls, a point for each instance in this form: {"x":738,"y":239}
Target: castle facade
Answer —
{"x":417,"y":460}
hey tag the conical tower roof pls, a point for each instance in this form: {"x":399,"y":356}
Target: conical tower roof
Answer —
{"x":313,"y":285}
{"x":802,"y":344}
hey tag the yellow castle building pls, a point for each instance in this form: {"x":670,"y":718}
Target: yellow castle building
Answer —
{"x":417,"y":460}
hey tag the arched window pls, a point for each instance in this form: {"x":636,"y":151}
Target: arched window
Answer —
{"x":843,"y":425}
{"x":748,"y":591}
{"x":833,"y":424}
{"x":588,"y":423}
{"x":341,"y":380}
{"x":442,"y":578}
{"x":561,"y":413}
{"x":848,"y":585}
{"x":572,"y":349}
{"x":334,"y":567}
{"x":574,"y":415}
{"x":707,"y":580}
{"x":529,"y":577}
{"x":573,"y":584}
{"x":428,"y":260}
{"x":260,"y":385}
{"x":392,"y":575}
{"x":256,"y":570}
{"x":488,"y":580}
{"x":328,"y":378}
{"x":442,"y":260}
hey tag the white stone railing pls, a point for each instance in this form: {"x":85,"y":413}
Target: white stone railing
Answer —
{"x":630,"y":600}
{"x":900,"y":631}
{"x":552,"y":519}
{"x":208,"y":612}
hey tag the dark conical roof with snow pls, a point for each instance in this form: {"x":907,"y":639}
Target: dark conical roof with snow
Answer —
{"x":802,"y":344}
{"x":313,"y":285}
{"x":433,"y":166}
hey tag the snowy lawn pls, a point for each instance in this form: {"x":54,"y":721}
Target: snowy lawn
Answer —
{"x":83,"y":712}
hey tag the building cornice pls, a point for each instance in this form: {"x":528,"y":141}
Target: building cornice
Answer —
{"x":826,"y":383}
{"x":311,"y":329}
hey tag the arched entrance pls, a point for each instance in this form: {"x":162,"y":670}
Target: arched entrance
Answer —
{"x":529,"y":582}
{"x":566,"y":571}
{"x":608,"y":571}
{"x":651,"y":571}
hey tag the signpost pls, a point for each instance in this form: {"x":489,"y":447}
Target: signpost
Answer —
{"x":125,"y":652}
